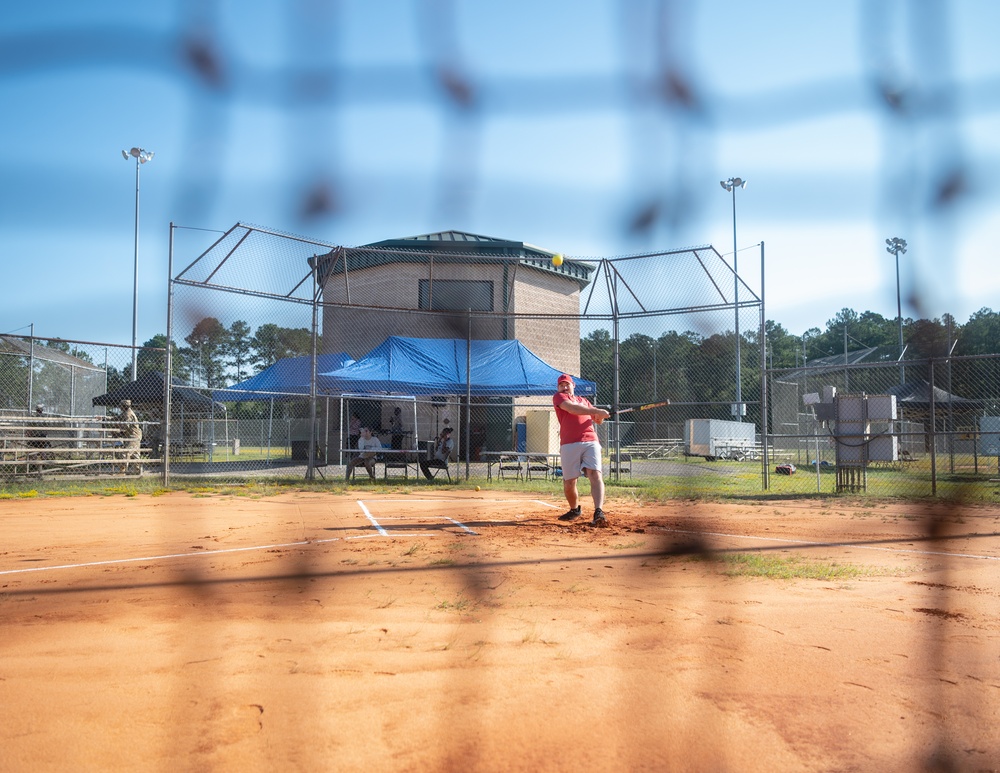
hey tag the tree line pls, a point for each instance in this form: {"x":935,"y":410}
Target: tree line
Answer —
{"x":693,"y":368}
{"x":675,"y":365}
{"x":217,"y":356}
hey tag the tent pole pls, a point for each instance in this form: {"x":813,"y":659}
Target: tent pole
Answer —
{"x":167,"y":365}
{"x":343,"y":443}
{"x":414,"y":436}
{"x":614,"y":437}
{"x":468,"y":394}
{"x":310,"y":462}
{"x":270,"y":431}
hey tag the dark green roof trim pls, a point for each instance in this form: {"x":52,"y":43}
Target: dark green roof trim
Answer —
{"x":449,"y":247}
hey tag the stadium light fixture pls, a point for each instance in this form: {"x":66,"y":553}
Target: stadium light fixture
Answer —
{"x":141,"y":157}
{"x":894,"y":246}
{"x":731,"y":185}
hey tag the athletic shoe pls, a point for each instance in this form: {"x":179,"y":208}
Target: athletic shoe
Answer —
{"x":599,"y":520}
{"x":571,"y":515}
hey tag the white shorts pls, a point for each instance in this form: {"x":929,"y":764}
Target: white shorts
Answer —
{"x":576,"y":457}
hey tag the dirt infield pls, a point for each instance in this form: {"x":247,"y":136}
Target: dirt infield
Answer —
{"x":460,"y":631}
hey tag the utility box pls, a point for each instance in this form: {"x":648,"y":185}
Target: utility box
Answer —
{"x":852,"y":430}
{"x":865,"y":429}
{"x":543,"y":432}
{"x":718,"y":439}
{"x":989,"y":436}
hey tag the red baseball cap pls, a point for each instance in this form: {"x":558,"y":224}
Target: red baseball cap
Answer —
{"x":565,"y":377}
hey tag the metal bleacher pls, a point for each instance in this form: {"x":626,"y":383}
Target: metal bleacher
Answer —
{"x":655,"y":448}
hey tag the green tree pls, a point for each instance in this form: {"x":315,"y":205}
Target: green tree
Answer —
{"x":149,"y":360}
{"x":271,"y":343}
{"x":207,"y":342}
{"x":239,"y":348}
{"x":929,"y":338}
{"x":980,"y":335}
{"x":783,"y":347}
{"x":597,"y":362}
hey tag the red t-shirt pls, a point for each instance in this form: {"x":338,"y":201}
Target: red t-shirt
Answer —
{"x":573,"y":428}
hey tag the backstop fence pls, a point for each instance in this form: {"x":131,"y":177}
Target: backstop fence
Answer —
{"x":656,"y":334}
{"x":281,"y":348}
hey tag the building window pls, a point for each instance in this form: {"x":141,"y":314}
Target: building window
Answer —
{"x":456,"y":295}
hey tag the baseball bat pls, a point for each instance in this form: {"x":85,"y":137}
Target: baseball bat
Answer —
{"x":645,"y":407}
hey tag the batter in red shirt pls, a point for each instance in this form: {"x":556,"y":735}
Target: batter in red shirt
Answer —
{"x":579,"y":448}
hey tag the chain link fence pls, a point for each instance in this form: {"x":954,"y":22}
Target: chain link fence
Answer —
{"x":653,"y":332}
{"x":61,"y":412}
{"x":262,"y":404}
{"x":940,"y":436}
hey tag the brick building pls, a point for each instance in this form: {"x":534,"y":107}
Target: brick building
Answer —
{"x":454,"y":284}
{"x":407,"y":287}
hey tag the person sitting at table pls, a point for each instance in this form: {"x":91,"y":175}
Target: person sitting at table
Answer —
{"x":368,"y":445}
{"x":439,"y":455}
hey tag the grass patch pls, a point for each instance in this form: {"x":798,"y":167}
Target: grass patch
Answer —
{"x":692,"y":478}
{"x":458,"y":605}
{"x":629,"y":545}
{"x":790,"y":568}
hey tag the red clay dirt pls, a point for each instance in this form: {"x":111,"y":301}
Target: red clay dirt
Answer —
{"x":442,"y":630}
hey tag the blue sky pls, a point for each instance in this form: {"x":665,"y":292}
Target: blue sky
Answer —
{"x":565,"y":144}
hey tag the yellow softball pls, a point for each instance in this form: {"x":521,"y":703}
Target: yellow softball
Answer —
{"x":477,"y":488}
{"x":557,"y":259}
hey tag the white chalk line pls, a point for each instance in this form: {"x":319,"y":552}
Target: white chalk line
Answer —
{"x":152,"y":558}
{"x":169,"y":556}
{"x":835,"y":544}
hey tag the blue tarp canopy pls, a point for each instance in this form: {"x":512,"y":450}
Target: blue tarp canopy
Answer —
{"x":437,"y":366}
{"x":287,"y":378}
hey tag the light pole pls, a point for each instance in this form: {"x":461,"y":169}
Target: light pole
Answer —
{"x":731,"y":185}
{"x":896,"y":246}
{"x":141,"y":157}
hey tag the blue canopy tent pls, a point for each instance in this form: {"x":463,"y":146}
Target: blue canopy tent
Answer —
{"x":437,"y":366}
{"x":287,"y":378}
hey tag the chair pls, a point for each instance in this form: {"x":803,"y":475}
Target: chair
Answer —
{"x":397,"y":462}
{"x":538,"y":464}
{"x":621,"y":464}
{"x":434,"y":466}
{"x":510,"y":463}
{"x":354,"y":470}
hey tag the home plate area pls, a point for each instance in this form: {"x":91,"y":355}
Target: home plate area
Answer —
{"x":451,"y":517}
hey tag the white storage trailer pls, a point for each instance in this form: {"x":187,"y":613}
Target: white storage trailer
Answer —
{"x":718,"y":439}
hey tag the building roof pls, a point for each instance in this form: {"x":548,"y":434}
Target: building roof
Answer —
{"x":835,"y":362}
{"x":14,"y":345}
{"x":448,"y":236}
{"x":450,"y":246}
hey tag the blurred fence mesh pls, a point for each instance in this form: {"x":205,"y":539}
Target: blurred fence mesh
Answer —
{"x":646,"y":329}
